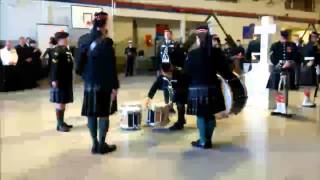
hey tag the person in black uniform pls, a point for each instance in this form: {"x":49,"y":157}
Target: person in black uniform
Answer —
{"x":171,"y":63}
{"x":26,"y":62}
{"x":49,"y":53}
{"x":61,"y":79}
{"x":205,"y":97}
{"x":131,"y":53}
{"x":24,"y":59}
{"x":253,"y":50}
{"x":299,"y":43}
{"x":81,"y":59}
{"x":284,"y":55}
{"x":36,"y":60}
{"x":308,"y":76}
{"x":100,"y":83}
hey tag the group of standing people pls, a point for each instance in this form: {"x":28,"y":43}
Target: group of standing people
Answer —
{"x":96,"y":63}
{"x":20,"y":66}
{"x":196,"y":81}
{"x":287,"y":58}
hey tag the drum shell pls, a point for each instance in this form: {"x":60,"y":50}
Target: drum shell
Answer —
{"x":235,"y":95}
{"x":158,"y":115}
{"x":130,"y":117}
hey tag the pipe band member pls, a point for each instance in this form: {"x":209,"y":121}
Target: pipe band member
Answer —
{"x":172,"y":60}
{"x":100,"y":84}
{"x":308,"y":75}
{"x":61,"y":79}
{"x":284,"y":55}
{"x":205,"y":97}
{"x":131,"y":53}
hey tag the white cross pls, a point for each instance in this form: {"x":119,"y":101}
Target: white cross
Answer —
{"x":267,"y":27}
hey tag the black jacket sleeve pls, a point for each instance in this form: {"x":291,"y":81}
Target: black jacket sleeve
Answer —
{"x":155,"y":86}
{"x":55,"y":66}
{"x":223,"y":67}
{"x":116,"y":84}
{"x":273,"y":59}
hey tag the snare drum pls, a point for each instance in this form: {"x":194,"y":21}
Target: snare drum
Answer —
{"x":130,"y":117}
{"x":235,"y":95}
{"x":158,"y":114}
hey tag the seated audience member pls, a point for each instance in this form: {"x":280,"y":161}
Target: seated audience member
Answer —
{"x":9,"y":59}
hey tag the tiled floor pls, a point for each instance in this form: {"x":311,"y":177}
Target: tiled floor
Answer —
{"x":249,"y":146}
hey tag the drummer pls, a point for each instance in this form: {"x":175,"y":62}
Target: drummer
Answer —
{"x":308,"y":76}
{"x":205,"y":97}
{"x":172,"y":79}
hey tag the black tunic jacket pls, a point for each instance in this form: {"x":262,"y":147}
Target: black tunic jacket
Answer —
{"x":62,"y":66}
{"x":100,"y":70}
{"x":284,"y":51}
{"x":205,"y":73}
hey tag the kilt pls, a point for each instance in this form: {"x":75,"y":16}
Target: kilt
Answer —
{"x":205,"y":101}
{"x":180,"y":86}
{"x":61,"y":95}
{"x":308,"y":76}
{"x":274,"y":79}
{"x":97,"y":102}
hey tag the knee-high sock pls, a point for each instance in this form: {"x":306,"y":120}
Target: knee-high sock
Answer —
{"x":60,"y":116}
{"x":210,"y":126}
{"x":181,"y":111}
{"x":93,"y":126}
{"x":202,"y":129}
{"x":307,"y":92}
{"x":103,"y":129}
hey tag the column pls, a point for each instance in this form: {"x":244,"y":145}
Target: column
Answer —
{"x":183,"y":30}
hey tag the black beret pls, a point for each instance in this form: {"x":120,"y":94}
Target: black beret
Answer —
{"x":33,"y":41}
{"x":100,"y":15}
{"x":284,"y":33}
{"x":60,"y":35}
{"x":203,"y":28}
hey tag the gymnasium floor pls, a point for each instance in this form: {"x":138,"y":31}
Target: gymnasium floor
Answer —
{"x":249,"y":146}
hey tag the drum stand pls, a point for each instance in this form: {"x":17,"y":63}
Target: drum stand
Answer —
{"x":282,"y":96}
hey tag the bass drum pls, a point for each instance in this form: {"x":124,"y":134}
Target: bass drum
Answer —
{"x":235,"y":95}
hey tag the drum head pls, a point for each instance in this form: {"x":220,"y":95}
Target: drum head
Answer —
{"x":227,"y":93}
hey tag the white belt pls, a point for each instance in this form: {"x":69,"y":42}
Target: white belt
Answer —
{"x":309,"y":58}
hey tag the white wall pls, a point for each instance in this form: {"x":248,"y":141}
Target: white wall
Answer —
{"x":19,"y":17}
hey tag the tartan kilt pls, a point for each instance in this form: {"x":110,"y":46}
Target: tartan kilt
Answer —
{"x":274,"y":79}
{"x":308,"y":76}
{"x":97,"y":102}
{"x":180,"y":86}
{"x":205,"y":101}
{"x":61,"y":95}
{"x":180,"y":96}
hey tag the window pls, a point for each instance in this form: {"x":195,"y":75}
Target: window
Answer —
{"x":303,"y":5}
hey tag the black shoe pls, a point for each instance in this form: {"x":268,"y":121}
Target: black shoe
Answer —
{"x":69,"y":126}
{"x":105,"y":148}
{"x":95,"y":148}
{"x":63,"y":128}
{"x":207,"y":145}
{"x":176,"y":127}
